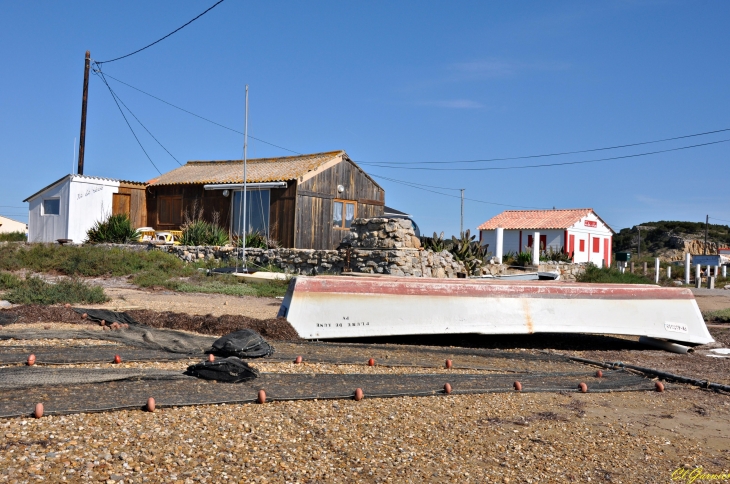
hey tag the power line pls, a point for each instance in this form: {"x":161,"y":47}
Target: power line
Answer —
{"x":413,"y":183}
{"x":418,"y":187}
{"x":719,"y":219}
{"x":199,"y":116}
{"x":544,"y":155}
{"x":552,"y":164}
{"x":163,"y":38}
{"x":101,"y":74}
{"x":129,"y":125}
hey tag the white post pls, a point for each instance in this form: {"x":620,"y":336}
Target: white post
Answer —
{"x":698,"y":277}
{"x":711,"y":282}
{"x":724,"y":271}
{"x":669,"y":272}
{"x":707,"y":272}
{"x":498,"y":249}
{"x":536,"y":249}
{"x":656,"y":270}
{"x":717,"y":271}
{"x":687,"y":258}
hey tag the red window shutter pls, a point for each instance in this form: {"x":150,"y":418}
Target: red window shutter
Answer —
{"x":582,"y":245}
{"x":529,"y":241}
{"x":543,"y":242}
{"x":596,"y":245}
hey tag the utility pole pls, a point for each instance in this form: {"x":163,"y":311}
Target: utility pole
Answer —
{"x":84,"y":99}
{"x":638,"y":227}
{"x":707,"y":222}
{"x":461,"y":225}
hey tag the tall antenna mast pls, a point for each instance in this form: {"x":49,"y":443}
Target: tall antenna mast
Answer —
{"x":84,"y":99}
{"x":245,"y":150}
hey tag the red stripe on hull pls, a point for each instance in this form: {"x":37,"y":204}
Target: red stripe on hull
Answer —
{"x":515,"y":289}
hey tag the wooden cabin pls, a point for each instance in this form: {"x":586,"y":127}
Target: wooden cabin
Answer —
{"x":303,"y":202}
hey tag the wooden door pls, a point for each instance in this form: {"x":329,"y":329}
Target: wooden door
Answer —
{"x":121,"y":203}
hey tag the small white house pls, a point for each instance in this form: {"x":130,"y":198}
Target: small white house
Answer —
{"x":69,"y":207}
{"x":10,"y":225}
{"x":579,"y":232}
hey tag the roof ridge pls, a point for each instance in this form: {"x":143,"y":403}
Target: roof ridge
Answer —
{"x":253,"y":160}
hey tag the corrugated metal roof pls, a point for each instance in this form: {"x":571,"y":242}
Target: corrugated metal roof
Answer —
{"x":536,"y":219}
{"x":257,"y":169}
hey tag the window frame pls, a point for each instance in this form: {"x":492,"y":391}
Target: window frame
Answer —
{"x":51,"y":199}
{"x":596,"y":245}
{"x":581,"y":245}
{"x":344,"y":212}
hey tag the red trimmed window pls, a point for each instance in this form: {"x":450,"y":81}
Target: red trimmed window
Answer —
{"x":582,"y":246}
{"x":596,"y":245}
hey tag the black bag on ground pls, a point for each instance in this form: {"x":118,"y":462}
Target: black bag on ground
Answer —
{"x":230,"y":370}
{"x":245,"y":343}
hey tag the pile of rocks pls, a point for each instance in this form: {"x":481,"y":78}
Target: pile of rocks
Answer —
{"x":382,"y":233}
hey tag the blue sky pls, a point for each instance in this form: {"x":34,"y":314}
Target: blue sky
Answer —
{"x":387,"y":82}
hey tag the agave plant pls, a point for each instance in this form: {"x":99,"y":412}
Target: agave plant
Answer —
{"x":116,"y":229}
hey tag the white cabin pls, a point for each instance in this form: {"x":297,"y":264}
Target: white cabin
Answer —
{"x":9,"y":225}
{"x":579,"y":232}
{"x":69,"y":207}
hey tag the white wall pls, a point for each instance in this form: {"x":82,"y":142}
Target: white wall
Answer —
{"x":512,"y":239}
{"x":583,"y":232}
{"x":49,"y":228}
{"x":90,"y":200}
{"x":10,"y":225}
{"x":83,"y":201}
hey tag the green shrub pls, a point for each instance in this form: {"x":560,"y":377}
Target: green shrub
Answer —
{"x":610,"y":275}
{"x":721,"y":316}
{"x":9,"y":281}
{"x":115,"y":229}
{"x":199,"y":232}
{"x":254,"y":240}
{"x":34,"y":290}
{"x":13,"y":237}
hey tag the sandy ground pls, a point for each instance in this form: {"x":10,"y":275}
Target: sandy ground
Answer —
{"x":538,"y":437}
{"x":123,"y":299}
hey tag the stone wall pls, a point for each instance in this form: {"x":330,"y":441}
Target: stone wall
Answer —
{"x":397,"y":262}
{"x":382,"y":233}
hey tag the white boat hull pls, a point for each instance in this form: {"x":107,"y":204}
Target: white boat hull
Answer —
{"x":343,"y":307}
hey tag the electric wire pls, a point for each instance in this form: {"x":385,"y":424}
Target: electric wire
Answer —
{"x":545,"y":155}
{"x":163,"y":38}
{"x":140,"y":123}
{"x":719,"y":219}
{"x":416,"y":186}
{"x":199,"y":116}
{"x":636,"y":155}
{"x":130,"y":127}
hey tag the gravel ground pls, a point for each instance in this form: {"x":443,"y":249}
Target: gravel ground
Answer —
{"x":638,"y":437}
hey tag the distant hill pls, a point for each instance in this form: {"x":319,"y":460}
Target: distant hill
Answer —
{"x":672,"y":239}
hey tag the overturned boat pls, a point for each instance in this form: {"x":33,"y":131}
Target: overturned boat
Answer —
{"x":349,"y":307}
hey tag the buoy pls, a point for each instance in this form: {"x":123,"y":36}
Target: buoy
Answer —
{"x":583,"y":387}
{"x":31,"y":360}
{"x":262,"y":397}
{"x":298,"y":360}
{"x":659,"y":386}
{"x":599,"y":374}
{"x":38,"y":413}
{"x":150,"y":404}
{"x":117,"y":359}
{"x":447,"y":388}
{"x":359,"y":395}
{"x":371,"y":362}
{"x":103,"y":323}
{"x":67,"y":305}
{"x":84,"y":316}
{"x":518,"y":386}
{"x":211,"y":357}
{"x":448,"y":364}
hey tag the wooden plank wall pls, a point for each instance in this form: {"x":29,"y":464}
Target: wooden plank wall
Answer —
{"x":137,"y":205}
{"x":193,"y":198}
{"x":313,"y":227}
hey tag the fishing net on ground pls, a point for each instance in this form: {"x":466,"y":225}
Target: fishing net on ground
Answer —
{"x":243,"y":344}
{"x":229,"y":370}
